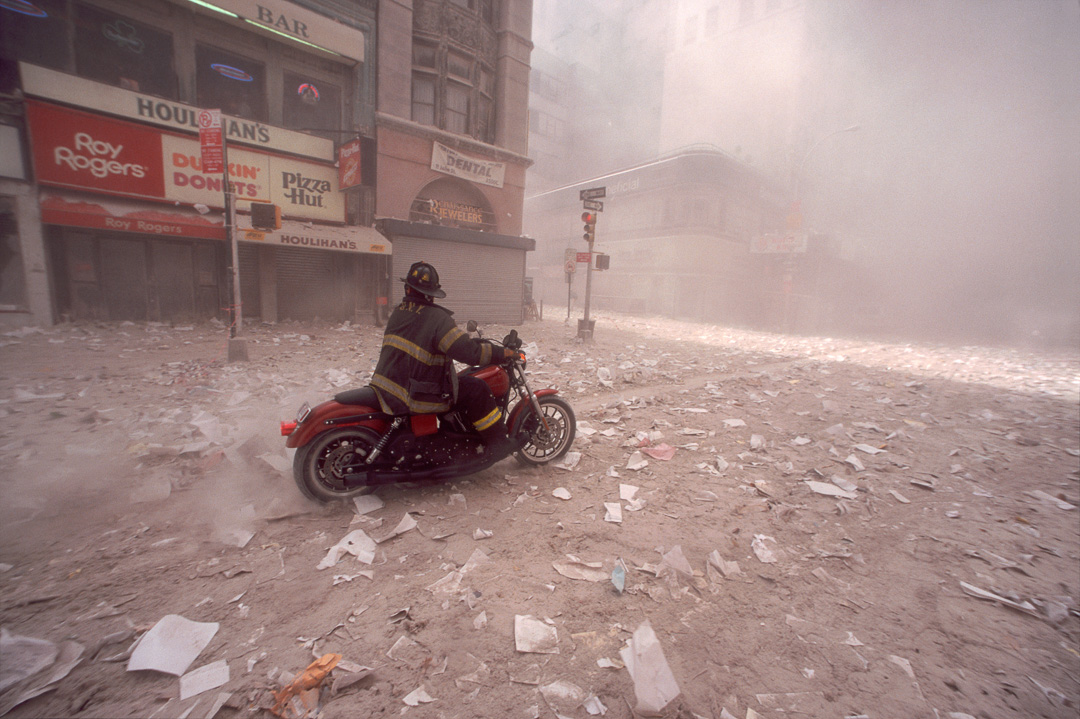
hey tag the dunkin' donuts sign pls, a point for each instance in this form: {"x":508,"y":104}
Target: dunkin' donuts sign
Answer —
{"x":81,"y":150}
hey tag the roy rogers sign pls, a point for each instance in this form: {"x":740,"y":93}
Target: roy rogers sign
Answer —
{"x":84,"y":151}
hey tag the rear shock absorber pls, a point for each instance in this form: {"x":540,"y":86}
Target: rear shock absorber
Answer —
{"x":381,"y":444}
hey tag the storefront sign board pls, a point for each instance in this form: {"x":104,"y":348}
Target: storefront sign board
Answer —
{"x":81,"y":150}
{"x":451,"y":162}
{"x":72,"y":90}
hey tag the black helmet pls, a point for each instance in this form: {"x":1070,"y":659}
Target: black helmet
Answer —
{"x":424,"y":279}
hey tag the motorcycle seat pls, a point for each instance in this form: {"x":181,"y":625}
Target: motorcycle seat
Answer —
{"x":362,"y":395}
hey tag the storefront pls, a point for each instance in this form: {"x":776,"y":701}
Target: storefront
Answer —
{"x":462,"y":202}
{"x":136,"y":230}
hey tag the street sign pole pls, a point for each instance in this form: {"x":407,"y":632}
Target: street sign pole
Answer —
{"x":214,"y":153}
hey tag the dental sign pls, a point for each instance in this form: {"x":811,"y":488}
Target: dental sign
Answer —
{"x":84,"y":151}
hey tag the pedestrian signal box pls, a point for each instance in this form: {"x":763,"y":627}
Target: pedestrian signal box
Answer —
{"x":603,"y":262}
{"x":265,"y":216}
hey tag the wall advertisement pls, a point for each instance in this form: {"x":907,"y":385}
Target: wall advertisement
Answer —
{"x":81,"y":150}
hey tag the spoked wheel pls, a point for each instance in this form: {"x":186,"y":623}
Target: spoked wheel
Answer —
{"x":321,"y":469}
{"x":549,"y":439}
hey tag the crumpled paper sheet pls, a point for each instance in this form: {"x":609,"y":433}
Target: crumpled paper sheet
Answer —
{"x":654,"y":684}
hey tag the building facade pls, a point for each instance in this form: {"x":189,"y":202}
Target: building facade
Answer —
{"x":108,"y":214}
{"x":452,"y":131}
{"x":682,"y":234}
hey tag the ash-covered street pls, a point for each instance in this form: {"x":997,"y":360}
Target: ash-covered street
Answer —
{"x":810,"y":527}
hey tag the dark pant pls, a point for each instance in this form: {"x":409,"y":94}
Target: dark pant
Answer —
{"x":477,"y":403}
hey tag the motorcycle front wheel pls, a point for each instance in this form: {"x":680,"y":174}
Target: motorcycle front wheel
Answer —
{"x":321,"y":468}
{"x":546,"y":440}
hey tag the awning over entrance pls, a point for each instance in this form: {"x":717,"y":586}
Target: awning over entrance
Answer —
{"x":401,"y":228}
{"x":348,"y":238}
{"x":110,"y":213}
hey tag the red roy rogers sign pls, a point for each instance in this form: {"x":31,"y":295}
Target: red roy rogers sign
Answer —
{"x":83,"y":150}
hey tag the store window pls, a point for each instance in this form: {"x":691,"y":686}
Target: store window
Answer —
{"x":234,"y":83}
{"x":116,"y":50}
{"x":311,"y":105}
{"x":34,"y":32}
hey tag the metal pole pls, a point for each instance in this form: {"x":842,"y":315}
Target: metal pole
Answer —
{"x":237,"y":345}
{"x":230,"y":224}
{"x":569,"y":292}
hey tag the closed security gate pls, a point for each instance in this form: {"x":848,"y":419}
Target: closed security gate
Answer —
{"x":482,"y":283}
{"x":316,"y":284}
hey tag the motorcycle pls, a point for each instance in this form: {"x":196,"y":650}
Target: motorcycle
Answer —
{"x":347,"y":445}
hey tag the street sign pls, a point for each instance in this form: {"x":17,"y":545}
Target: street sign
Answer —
{"x":571,"y":267}
{"x":592,"y":193}
{"x":210,"y":141}
{"x":584,"y":257}
{"x":594,"y":205}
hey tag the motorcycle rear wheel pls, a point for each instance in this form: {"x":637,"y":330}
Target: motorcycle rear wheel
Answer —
{"x":318,"y":468}
{"x":545,"y":445}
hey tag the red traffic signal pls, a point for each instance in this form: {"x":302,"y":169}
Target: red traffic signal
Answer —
{"x":589,"y":218}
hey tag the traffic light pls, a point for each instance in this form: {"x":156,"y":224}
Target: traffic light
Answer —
{"x":589,"y":218}
{"x":265,"y":216}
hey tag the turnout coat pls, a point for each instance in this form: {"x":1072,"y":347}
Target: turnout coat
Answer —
{"x":415,"y":373}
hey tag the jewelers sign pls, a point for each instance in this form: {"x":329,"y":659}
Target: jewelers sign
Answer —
{"x":451,"y":162}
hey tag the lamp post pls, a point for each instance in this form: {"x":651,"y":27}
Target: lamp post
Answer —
{"x":789,"y":261}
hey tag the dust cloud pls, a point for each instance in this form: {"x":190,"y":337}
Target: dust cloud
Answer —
{"x":955,"y":202}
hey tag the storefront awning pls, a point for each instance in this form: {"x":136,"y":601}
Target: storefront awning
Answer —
{"x":401,"y":228}
{"x":345,"y":238}
{"x":119,"y":215}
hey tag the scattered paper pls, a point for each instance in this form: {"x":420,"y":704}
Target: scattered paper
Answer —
{"x":627,"y":492}
{"x":613,"y":512}
{"x":637,"y":462}
{"x":356,"y":543}
{"x":654,"y":684}
{"x":171,"y":645}
{"x":732,"y":423}
{"x":417,"y":697}
{"x":830,"y":490}
{"x":406,"y":523}
{"x":367,"y":503}
{"x":761,"y":550}
{"x":661,"y":451}
{"x":561,"y":493}
{"x":569,"y":462}
{"x":482,"y":534}
{"x":1043,"y":496}
{"x":1025,"y":606}
{"x":534,"y":636}
{"x":899,"y":497}
{"x":205,"y":678}
{"x":574,"y":568}
{"x":868,"y":449}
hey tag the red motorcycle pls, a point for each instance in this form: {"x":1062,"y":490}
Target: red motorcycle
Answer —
{"x":348,"y":444}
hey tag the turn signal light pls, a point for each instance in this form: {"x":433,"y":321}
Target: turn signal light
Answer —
{"x":287,"y":428}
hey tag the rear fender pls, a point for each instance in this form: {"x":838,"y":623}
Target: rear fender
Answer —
{"x":334,"y":415}
{"x":525,"y":405}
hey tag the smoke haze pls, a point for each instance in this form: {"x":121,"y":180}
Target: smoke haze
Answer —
{"x":957,"y":199}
